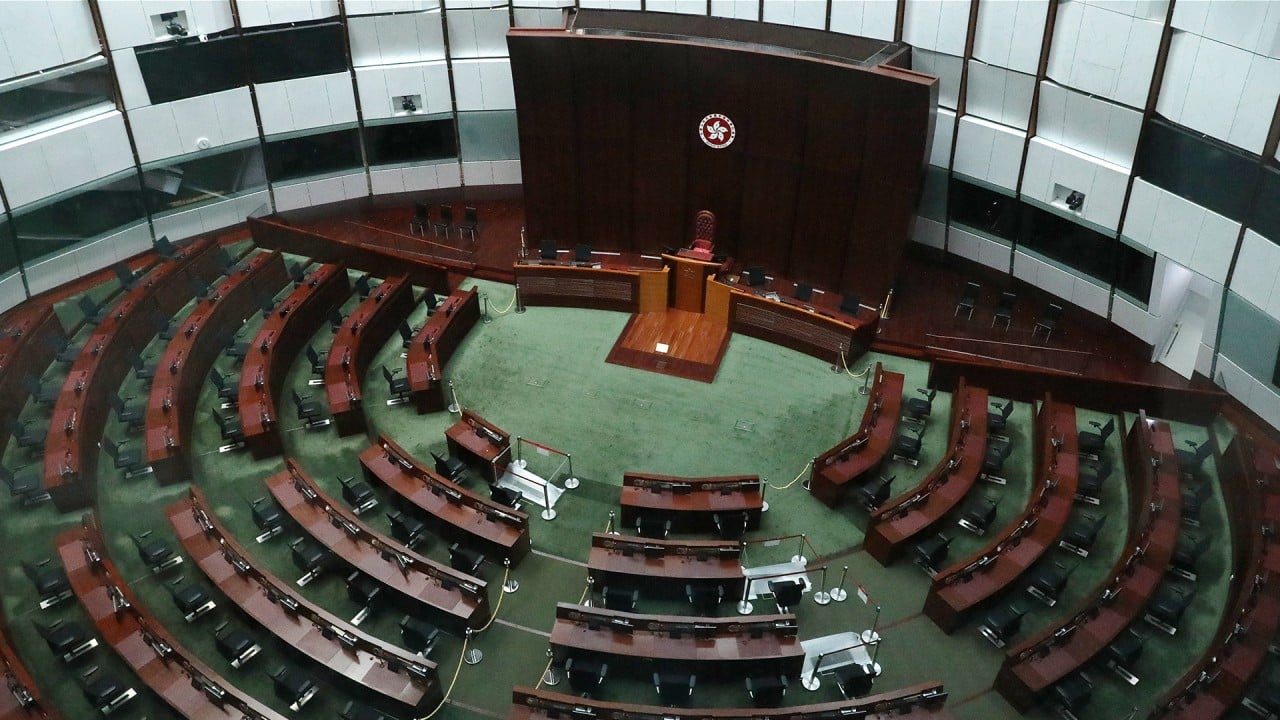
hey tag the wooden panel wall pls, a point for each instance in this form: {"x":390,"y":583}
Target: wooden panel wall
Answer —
{"x":819,"y":185}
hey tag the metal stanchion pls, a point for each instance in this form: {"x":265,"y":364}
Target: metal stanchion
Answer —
{"x":764,"y":485}
{"x":519,"y":301}
{"x":866,"y":381}
{"x":871,"y":637}
{"x":799,"y":557}
{"x":519,"y":462}
{"x":586,"y":596}
{"x":822,"y":597}
{"x":610,"y":529}
{"x":484,"y":311}
{"x":454,"y":406}
{"x":812,"y":682}
{"x":551,"y":677}
{"x":570,"y":482}
{"x":512,"y":584}
{"x":838,"y":593}
{"x":744,"y":605}
{"x":835,"y":364}
{"x":549,"y":513}
{"x":813,"y":463}
{"x":524,"y":249}
{"x":474,"y":655}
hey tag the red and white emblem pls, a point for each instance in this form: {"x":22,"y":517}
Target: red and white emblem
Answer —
{"x":717,"y":131}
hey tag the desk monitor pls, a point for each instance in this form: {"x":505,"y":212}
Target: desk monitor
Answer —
{"x":681,"y":488}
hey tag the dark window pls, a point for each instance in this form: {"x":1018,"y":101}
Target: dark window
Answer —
{"x":204,"y":179}
{"x":185,"y":68}
{"x":1098,"y":256}
{"x":1266,"y":209}
{"x":1205,"y":171}
{"x":1134,"y":269}
{"x":61,"y":94}
{"x":293,"y":52}
{"x":8,"y":251}
{"x":312,"y":155}
{"x":83,"y":216}
{"x":409,"y":142}
{"x":984,"y":210}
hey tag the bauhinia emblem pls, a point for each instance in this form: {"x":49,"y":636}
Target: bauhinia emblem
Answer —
{"x":717,"y":131}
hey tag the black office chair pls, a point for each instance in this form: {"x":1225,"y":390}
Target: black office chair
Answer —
{"x":620,"y":597}
{"x":1073,"y":693}
{"x":225,"y":264}
{"x":165,"y":326}
{"x":1187,"y":552}
{"x":363,"y":286}
{"x":28,"y":435}
{"x":582,"y":253}
{"x":429,"y":299}
{"x":786,"y":594}
{"x":1167,"y":607}
{"x":754,"y":276}
{"x":674,"y":688}
{"x":470,"y":223}
{"x":854,"y":680}
{"x":40,"y":393}
{"x":1048,"y":321}
{"x":104,"y":691}
{"x":653,"y":525}
{"x":308,"y":410}
{"x":585,"y":675}
{"x":134,"y":417}
{"x":993,"y":459}
{"x":1194,"y":496}
{"x":977,"y":514}
{"x":731,"y":525}
{"x":1264,"y":699}
{"x":1004,"y":309}
{"x":997,"y":421}
{"x":309,"y":556}
{"x":1093,"y":473}
{"x":907,"y":445}
{"x":968,"y":300}
{"x":443,"y":221}
{"x":229,"y":427}
{"x":465,"y":559}
{"x":1047,"y":581}
{"x":1001,"y":624}
{"x":450,"y":467}
{"x":704,"y":598}
{"x":64,"y":350}
{"x":317,"y":362}
{"x":124,"y":275}
{"x":335,"y":320}
{"x":297,"y":273}
{"x":931,"y":552}
{"x":50,"y":582}
{"x":22,"y":483}
{"x":357,"y":493}
{"x":127,"y":459}
{"x":94,"y":313}
{"x":506,"y":496}
{"x":850,"y":303}
{"x":419,"y":635}
{"x":365,"y":592}
{"x":163,"y":247}
{"x":547,"y":251}
{"x":66,"y":639}
{"x":767,"y":691}
{"x":918,"y":408}
{"x":421,"y":217}
{"x":406,"y":529}
{"x":228,"y":392}
{"x":804,"y":292}
{"x":397,"y":386}
{"x":267,"y":515}
{"x":235,"y":644}
{"x":406,"y":335}
{"x":1189,"y":462}
{"x":875,"y":492}
{"x":1081,"y":532}
{"x":191,"y":599}
{"x":1123,"y":653}
{"x":155,"y":553}
{"x":236,"y":349}
{"x":142,"y":369}
{"x":293,"y":686}
{"x":1093,"y":443}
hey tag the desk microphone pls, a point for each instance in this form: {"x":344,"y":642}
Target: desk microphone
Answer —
{"x":168,"y":400}
{"x":70,"y":426}
{"x":257,"y":382}
{"x":346,"y":359}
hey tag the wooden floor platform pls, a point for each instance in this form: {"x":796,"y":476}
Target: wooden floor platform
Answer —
{"x":676,"y":342}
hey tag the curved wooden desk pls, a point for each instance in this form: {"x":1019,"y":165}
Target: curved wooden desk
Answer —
{"x":394,"y":674}
{"x":458,"y":513}
{"x":1033,"y":666}
{"x":174,"y":674}
{"x":691,"y":503}
{"x":27,"y":348}
{"x":434,"y":345}
{"x":21,"y":699}
{"x":481,"y":443}
{"x":915,"y":702}
{"x":75,"y":428}
{"x":917,"y":511}
{"x":273,"y":350}
{"x":820,"y":332}
{"x":361,"y":336}
{"x":663,"y":567}
{"x":184,"y":367}
{"x":423,"y":584}
{"x":862,"y":452}
{"x":549,"y":283}
{"x":726,"y":648}
{"x":972,"y":583}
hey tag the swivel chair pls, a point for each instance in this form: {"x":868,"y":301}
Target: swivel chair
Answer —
{"x":1081,"y":532}
{"x":1167,"y":607}
{"x":854,"y":680}
{"x":407,"y":529}
{"x":674,"y":688}
{"x":190,"y":599}
{"x":916,"y":409}
{"x":997,"y":421}
{"x":874,"y":493}
{"x":731,"y":525}
{"x":652,"y":525}
{"x":1047,"y":581}
{"x":66,"y":639}
{"x":1001,"y":624}
{"x":228,"y":392}
{"x":931,"y":552}
{"x":419,"y":635}
{"x":397,"y":386}
{"x":977,"y":514}
{"x":357,"y":493}
{"x":585,"y":675}
{"x":786,"y":594}
{"x":767,"y":691}
{"x":50,"y":582}
{"x":620,"y":597}
{"x":547,"y":250}
{"x":1093,"y":443}
{"x":155,"y":553}
{"x":704,"y":598}
{"x":1072,"y":694}
{"x":293,"y":686}
{"x":1190,"y":462}
{"x":104,"y":691}
{"x":235,"y":644}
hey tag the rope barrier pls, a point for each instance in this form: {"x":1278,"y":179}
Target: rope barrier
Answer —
{"x":444,"y":700}
{"x":506,"y":573}
{"x":507,"y":309}
{"x":803,"y":470}
{"x":852,"y":374}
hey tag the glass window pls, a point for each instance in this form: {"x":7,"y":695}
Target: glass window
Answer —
{"x":85,"y":213}
{"x":8,"y":251}
{"x":488,"y":135}
{"x":293,"y":52}
{"x":194,"y":181}
{"x":979,"y":208}
{"x":1065,"y":242}
{"x":1134,"y":270}
{"x":933,"y":198}
{"x":28,"y":104}
{"x":1205,"y":171}
{"x":188,"y":67}
{"x":1250,"y":338}
{"x":1266,"y":208}
{"x":311,"y":155}
{"x":404,"y":142}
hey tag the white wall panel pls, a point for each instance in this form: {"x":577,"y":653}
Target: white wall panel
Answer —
{"x":369,"y":7}
{"x":39,"y":35}
{"x":1137,"y":321}
{"x":7,"y":70}
{"x":305,"y":103}
{"x":938,"y":25}
{"x":999,"y":95}
{"x":133,"y":91}
{"x":389,"y":39}
{"x":1010,"y":34}
{"x":739,"y":9}
{"x":947,"y":68}
{"x":483,"y":84}
{"x":449,"y":175}
{"x":60,"y":159}
{"x":477,"y":173}
{"x":930,"y":232}
{"x":272,"y":12}
{"x":1179,"y":229}
{"x":1255,"y":275}
{"x":989,"y":151}
{"x":1220,"y":90}
{"x":551,"y":15}
{"x":684,"y":7}
{"x":1051,"y":166}
{"x":378,"y":85}
{"x":1102,"y":52}
{"x":1246,"y":24}
{"x":1088,"y":124}
{"x":506,"y":172}
{"x":128,"y":23}
{"x":978,"y":249}
{"x":868,"y":18}
{"x":944,"y":127}
{"x":801,"y":13}
{"x":87,"y":258}
{"x":11,"y":291}
{"x":177,"y":128}
{"x":1140,"y":216}
{"x":477,"y":33}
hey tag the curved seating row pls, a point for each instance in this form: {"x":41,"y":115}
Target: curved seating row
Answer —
{"x":664,"y":567}
{"x":23,"y":700}
{"x":691,"y":504}
{"x":862,"y":452}
{"x":28,"y":344}
{"x":433,"y":345}
{"x":362,"y":334}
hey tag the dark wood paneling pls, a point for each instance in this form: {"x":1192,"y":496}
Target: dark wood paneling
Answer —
{"x":659,"y":147}
{"x":602,"y":107}
{"x":542,"y":74}
{"x":717,"y":84}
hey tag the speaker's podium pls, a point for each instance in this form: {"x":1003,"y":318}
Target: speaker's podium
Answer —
{"x":689,"y":279}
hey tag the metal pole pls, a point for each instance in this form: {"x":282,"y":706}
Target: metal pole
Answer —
{"x":871,"y":636}
{"x":799,"y":557}
{"x":744,"y":605}
{"x":764,"y":485}
{"x":473,"y":656}
{"x":524,"y":251}
{"x":454,"y":406}
{"x":512,"y":584}
{"x":570,"y":482}
{"x":484,"y":312}
{"x":519,"y":463}
{"x":866,"y":380}
{"x":813,"y":464}
{"x":822,"y":597}
{"x":838,"y":593}
{"x":835,"y":364}
{"x":812,"y":682}
{"x":587,"y":601}
{"x":519,"y":301}
{"x":549,"y":513}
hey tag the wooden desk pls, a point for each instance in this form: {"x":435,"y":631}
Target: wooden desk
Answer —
{"x":18,"y":680}
{"x":664,"y":567}
{"x":691,"y":503}
{"x":80,"y":414}
{"x":481,"y":444}
{"x":720,"y":648}
{"x":426,"y":588}
{"x":392,"y":673}
{"x":177,"y":676}
{"x":27,"y":349}
{"x":273,"y":350}
{"x":184,"y":368}
{"x":919,"y":510}
{"x":435,"y":343}
{"x":454,"y":511}
{"x":861,"y":453}
{"x":971,"y":584}
{"x":1033,"y":666}
{"x":915,"y":702}
{"x":361,"y":336}
{"x":548,"y":283}
{"x":820,"y":331}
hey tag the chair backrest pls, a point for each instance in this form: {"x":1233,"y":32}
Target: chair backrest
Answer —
{"x":124,"y":274}
{"x":1007,"y":410}
{"x":421,"y":211}
{"x":804,"y":292}
{"x":87,"y":306}
{"x":704,"y":227}
{"x":470,"y":215}
{"x":971,"y":290}
{"x":446,"y":213}
{"x":222,"y":424}
{"x":216,"y":378}
{"x":111,"y":447}
{"x":313,"y":356}
{"x":582,"y":253}
{"x":547,"y":251}
{"x":754,"y":275}
{"x":297,"y":399}
{"x":163,"y":247}
{"x":387,"y":374}
{"x":1108,"y":428}
{"x":850,"y":303}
